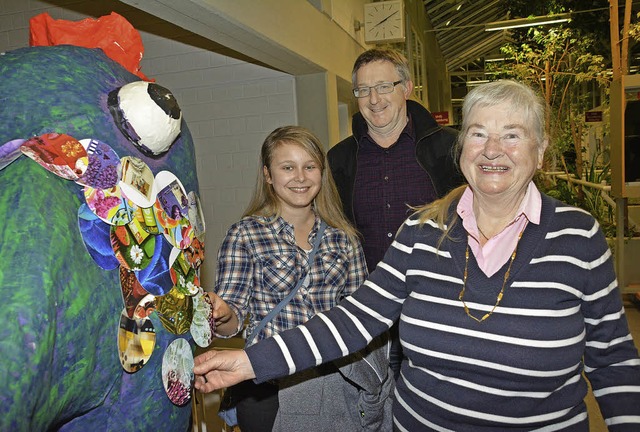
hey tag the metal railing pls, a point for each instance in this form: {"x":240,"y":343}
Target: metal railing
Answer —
{"x":620,"y":210}
{"x":604,"y":187}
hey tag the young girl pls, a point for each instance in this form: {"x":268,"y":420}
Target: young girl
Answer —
{"x":261,"y":260}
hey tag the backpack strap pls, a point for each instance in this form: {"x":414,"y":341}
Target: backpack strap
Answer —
{"x":275,"y":311}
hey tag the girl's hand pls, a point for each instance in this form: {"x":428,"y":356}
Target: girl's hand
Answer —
{"x":226,"y":320}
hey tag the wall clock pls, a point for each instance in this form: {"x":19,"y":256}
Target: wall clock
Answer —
{"x":384,"y":22}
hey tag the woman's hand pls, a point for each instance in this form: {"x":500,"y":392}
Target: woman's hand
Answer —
{"x":226,"y":320}
{"x":215,"y":369}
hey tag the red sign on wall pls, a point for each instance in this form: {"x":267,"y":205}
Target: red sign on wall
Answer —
{"x":593,"y":116}
{"x":441,"y":117}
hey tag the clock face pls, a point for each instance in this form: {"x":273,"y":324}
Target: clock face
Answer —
{"x":384,"y":21}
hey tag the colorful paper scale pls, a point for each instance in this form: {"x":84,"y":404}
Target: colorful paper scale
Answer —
{"x":152,"y":230}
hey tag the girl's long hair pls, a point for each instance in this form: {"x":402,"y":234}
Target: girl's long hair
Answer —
{"x":327,"y":204}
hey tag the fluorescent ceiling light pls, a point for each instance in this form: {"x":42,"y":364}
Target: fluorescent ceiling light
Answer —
{"x":527,"y":22}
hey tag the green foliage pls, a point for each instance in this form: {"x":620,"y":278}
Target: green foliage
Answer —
{"x":589,"y":199}
{"x":568,"y":65}
{"x":552,"y":59}
{"x":634,"y":29}
{"x":590,"y":19}
{"x":593,"y":201}
{"x":559,"y":62}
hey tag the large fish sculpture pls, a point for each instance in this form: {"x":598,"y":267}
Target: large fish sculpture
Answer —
{"x":101,"y":239}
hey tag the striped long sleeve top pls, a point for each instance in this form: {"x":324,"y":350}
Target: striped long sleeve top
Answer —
{"x":522,"y":368}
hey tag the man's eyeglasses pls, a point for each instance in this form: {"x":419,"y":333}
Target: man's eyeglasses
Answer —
{"x":382,"y":88}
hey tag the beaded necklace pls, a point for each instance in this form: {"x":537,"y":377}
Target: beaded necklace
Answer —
{"x":504,"y":282}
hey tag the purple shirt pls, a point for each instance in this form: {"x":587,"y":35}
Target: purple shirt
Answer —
{"x":388,"y":181}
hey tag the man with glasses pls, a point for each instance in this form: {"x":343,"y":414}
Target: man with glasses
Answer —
{"x":398,"y":157}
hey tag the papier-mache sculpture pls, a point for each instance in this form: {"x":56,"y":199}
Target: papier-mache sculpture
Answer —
{"x":101,"y":241}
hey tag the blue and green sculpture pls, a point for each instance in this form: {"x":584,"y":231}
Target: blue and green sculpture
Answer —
{"x":60,"y":311}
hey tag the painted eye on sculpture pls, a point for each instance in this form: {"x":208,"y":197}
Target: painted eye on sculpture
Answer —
{"x":147,"y":114}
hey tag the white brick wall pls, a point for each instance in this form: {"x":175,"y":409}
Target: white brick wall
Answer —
{"x":230,"y":107}
{"x":229,"y":104}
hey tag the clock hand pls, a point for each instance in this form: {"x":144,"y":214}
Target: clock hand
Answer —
{"x":385,"y":19}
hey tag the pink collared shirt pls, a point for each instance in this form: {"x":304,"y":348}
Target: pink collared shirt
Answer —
{"x":498,"y":249}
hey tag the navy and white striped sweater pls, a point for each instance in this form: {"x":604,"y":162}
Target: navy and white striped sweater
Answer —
{"x":521,"y":369}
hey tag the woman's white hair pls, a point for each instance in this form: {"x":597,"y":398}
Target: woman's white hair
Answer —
{"x":518,"y":95}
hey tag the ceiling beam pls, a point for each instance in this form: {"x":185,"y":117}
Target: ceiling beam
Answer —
{"x":479,"y":49}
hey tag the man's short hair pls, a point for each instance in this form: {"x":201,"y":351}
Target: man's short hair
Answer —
{"x":394,"y":57}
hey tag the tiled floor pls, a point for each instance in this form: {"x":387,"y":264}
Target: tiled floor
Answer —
{"x":205,"y":407}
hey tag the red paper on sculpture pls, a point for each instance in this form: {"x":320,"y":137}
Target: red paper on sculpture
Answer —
{"x":112,"y":33}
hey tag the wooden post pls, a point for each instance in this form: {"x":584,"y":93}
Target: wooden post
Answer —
{"x":617,"y":140}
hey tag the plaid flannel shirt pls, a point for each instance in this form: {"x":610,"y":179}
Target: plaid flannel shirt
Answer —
{"x":259,"y":264}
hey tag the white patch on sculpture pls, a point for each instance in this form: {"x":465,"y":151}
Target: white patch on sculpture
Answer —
{"x":147,"y":114}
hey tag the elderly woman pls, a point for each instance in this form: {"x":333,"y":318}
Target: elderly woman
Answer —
{"x":504,"y":296}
